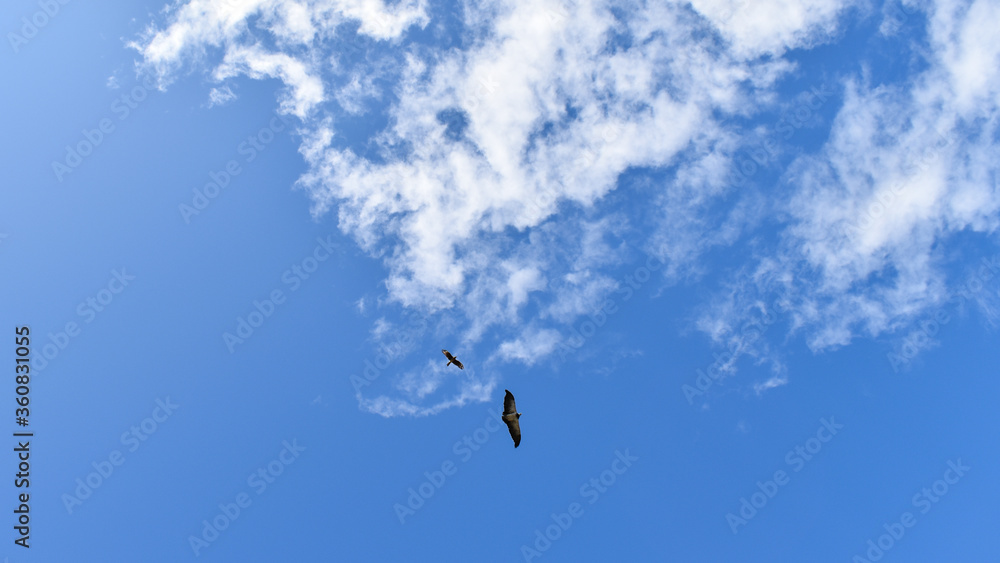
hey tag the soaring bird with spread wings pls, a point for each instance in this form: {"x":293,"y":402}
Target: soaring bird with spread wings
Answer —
{"x":510,"y":416}
{"x":452,"y":359}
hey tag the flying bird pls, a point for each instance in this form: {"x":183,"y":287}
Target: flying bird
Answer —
{"x":510,"y":416}
{"x":452,"y":359}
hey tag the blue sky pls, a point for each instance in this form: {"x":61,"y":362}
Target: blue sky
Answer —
{"x":737,"y":261}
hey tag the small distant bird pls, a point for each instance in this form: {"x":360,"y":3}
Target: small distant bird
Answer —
{"x":452,"y":359}
{"x":510,"y":416}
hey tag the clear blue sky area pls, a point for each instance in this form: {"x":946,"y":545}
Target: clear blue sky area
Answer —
{"x":737,"y":262}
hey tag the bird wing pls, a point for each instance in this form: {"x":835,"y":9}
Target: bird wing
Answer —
{"x":508,"y":404}
{"x":457,"y":363}
{"x":515,"y":430}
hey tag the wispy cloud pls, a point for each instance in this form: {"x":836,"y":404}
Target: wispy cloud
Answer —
{"x":775,"y":381}
{"x":220,"y":96}
{"x":906,"y":167}
{"x":489,"y":189}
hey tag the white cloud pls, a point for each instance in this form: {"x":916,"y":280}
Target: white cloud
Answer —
{"x":531,"y":345}
{"x":305,"y":88}
{"x":220,"y":96}
{"x":354,"y":96}
{"x":906,"y":167}
{"x":490,"y":192}
{"x":774,"y":381}
{"x":468,"y":392}
{"x":758,"y":28}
